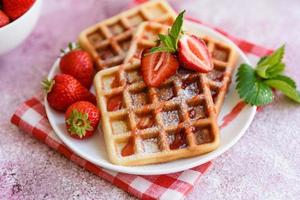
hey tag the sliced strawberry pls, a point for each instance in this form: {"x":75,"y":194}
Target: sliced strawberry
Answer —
{"x":193,"y":54}
{"x":157,"y":67}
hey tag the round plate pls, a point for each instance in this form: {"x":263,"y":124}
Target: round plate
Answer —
{"x":93,"y":149}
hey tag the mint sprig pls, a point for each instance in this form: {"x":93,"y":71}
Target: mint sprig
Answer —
{"x":251,"y":88}
{"x":270,"y":66}
{"x":255,"y":85}
{"x":169,"y":43}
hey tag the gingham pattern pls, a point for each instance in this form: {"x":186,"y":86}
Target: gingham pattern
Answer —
{"x":31,"y":118}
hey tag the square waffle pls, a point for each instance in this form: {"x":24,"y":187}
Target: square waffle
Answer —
{"x":108,"y":41}
{"x":224,"y":58}
{"x":145,"y":125}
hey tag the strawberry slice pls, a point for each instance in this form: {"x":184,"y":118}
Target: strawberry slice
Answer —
{"x":193,"y":54}
{"x":157,"y":67}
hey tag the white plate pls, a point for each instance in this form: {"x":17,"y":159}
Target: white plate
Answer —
{"x":93,"y":149}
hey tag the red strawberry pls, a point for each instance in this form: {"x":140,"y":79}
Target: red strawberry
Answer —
{"x":82,"y":119}
{"x":4,"y":20}
{"x":65,"y":90}
{"x":193,"y":54}
{"x":157,"y":67}
{"x":16,"y":8}
{"x":78,"y":64}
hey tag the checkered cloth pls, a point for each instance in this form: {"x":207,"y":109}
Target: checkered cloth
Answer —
{"x":31,"y":118}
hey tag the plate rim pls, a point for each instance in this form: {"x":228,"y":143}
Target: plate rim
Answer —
{"x":133,"y":170}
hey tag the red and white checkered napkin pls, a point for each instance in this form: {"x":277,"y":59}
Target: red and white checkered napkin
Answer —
{"x":31,"y":118}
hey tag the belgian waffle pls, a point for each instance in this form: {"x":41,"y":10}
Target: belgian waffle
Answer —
{"x":108,"y":41}
{"x":224,"y":58}
{"x":145,"y":125}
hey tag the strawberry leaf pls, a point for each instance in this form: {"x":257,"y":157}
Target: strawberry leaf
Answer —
{"x":251,"y":88}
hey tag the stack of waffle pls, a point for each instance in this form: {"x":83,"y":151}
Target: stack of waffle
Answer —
{"x":146,"y":125}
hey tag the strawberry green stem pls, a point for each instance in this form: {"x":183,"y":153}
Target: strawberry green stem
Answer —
{"x":47,"y":85}
{"x":79,"y":123}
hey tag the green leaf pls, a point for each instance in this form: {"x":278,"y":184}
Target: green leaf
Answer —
{"x":176,"y":28}
{"x":275,"y":70}
{"x":159,"y":49}
{"x":268,"y":71}
{"x":273,"y":59}
{"x":270,"y":66}
{"x":251,"y":88}
{"x":286,"y":79}
{"x":285,"y":88}
{"x":167,"y":41}
{"x":79,"y":123}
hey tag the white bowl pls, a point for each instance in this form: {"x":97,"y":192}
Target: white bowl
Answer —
{"x":17,"y":31}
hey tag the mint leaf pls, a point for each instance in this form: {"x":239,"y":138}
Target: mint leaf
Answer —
{"x":273,"y":59}
{"x":268,"y":71}
{"x":167,"y":42}
{"x":275,"y":70}
{"x":286,"y":79}
{"x":251,"y":88}
{"x":270,"y":66}
{"x":176,"y":28}
{"x":285,"y":88}
{"x":159,"y":49}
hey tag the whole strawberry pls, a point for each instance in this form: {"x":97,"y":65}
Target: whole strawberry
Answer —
{"x":82,"y":119}
{"x":4,"y":20}
{"x":16,"y":8}
{"x":78,"y":64}
{"x":65,"y":90}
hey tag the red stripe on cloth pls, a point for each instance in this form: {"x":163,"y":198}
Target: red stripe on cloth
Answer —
{"x":65,"y":151}
{"x":52,"y":143}
{"x":32,"y":102}
{"x":93,"y":168}
{"x":165,"y":181}
{"x":135,"y":192}
{"x":15,"y":119}
{"x":202,"y":168}
{"x":121,"y":184}
{"x":139,"y":1}
{"x":37,"y":133}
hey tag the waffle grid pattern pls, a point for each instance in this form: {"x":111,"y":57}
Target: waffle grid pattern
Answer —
{"x":109,"y":40}
{"x":224,"y":58}
{"x":151,"y":121}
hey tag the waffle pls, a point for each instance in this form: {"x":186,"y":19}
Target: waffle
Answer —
{"x":224,"y":58}
{"x":108,"y":41}
{"x":146,"y":125}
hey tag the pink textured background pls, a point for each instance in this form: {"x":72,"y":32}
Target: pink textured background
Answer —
{"x":264,"y":164}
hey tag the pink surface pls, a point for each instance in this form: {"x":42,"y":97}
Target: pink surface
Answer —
{"x":264,"y":164}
